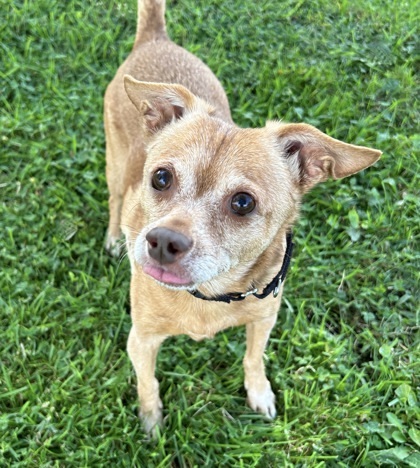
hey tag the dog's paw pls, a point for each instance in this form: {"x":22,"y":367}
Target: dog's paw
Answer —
{"x":152,"y":420}
{"x":113,"y":245}
{"x":263,"y":401}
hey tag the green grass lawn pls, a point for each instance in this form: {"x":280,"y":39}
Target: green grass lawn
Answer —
{"x":344,"y":358}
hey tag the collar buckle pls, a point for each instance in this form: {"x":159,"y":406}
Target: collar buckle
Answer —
{"x":248,"y":293}
{"x":277,"y":288}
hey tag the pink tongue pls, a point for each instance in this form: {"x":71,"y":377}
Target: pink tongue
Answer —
{"x":163,"y":276}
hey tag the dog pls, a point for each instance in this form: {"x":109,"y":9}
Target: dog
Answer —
{"x":206,"y":207}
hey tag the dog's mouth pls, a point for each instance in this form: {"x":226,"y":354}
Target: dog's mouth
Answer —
{"x":167,"y":278}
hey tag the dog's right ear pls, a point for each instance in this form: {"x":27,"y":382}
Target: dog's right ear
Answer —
{"x":162,"y":103}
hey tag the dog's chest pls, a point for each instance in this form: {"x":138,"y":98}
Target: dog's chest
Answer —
{"x":200,"y":324}
{"x":203,"y":319}
{"x":197,"y":319}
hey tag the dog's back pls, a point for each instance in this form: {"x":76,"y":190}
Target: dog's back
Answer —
{"x":155,"y":58}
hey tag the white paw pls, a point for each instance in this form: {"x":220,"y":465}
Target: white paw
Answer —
{"x":113,"y":245}
{"x":263,"y":401}
{"x":152,"y":420}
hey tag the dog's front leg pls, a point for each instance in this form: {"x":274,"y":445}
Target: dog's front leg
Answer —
{"x":143,"y":351}
{"x":260,"y":396}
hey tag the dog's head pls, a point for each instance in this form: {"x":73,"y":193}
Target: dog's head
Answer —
{"x":214,"y":196}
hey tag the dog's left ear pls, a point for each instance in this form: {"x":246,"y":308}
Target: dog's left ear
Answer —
{"x":313,"y":156}
{"x":162,"y":103}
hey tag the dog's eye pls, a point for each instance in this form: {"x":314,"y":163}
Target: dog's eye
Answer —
{"x":161,"y":179}
{"x":242,"y":203}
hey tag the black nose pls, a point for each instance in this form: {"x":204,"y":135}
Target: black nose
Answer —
{"x":165,"y":245}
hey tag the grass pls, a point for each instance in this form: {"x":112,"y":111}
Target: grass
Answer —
{"x":344,"y":356}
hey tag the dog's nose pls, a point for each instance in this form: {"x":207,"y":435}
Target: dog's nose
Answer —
{"x":166,"y":245}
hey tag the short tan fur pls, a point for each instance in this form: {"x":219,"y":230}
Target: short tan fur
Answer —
{"x":167,"y":118}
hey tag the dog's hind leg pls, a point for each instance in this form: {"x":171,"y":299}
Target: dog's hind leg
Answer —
{"x":115,"y":166}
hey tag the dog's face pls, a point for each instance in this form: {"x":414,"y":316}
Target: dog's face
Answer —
{"x":215,"y":196}
{"x":220,"y":187}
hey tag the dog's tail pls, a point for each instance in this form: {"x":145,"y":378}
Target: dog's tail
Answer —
{"x":150,"y":21}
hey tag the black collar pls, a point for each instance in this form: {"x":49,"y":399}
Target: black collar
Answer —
{"x":272,"y":287}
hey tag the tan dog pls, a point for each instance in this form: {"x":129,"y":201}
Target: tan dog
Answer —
{"x":204,"y":205}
